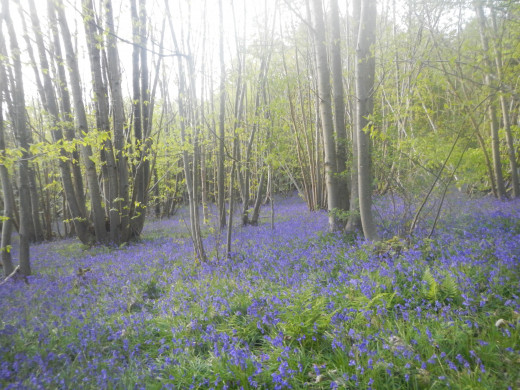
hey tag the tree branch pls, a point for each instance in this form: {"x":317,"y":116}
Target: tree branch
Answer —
{"x":11,"y":275}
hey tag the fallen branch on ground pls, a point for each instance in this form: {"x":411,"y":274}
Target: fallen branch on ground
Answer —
{"x":11,"y":275}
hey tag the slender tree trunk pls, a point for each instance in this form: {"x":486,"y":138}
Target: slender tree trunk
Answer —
{"x":231,"y":203}
{"x":222,"y":113}
{"x":365,"y":71}
{"x":78,"y":218}
{"x":354,"y":219}
{"x":515,"y":183}
{"x":141,"y":89}
{"x":102,"y":119}
{"x":492,"y":114}
{"x":190,"y":165}
{"x":324,"y":95}
{"x":22,"y":136}
{"x":66,"y":110}
{"x":120,"y":232}
{"x":204,"y":183}
{"x":258,"y":200}
{"x":7,"y":223}
{"x":98,"y":214}
{"x":339,"y":109}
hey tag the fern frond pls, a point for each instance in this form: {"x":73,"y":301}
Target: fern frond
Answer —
{"x":449,"y":288}
{"x":431,"y":290}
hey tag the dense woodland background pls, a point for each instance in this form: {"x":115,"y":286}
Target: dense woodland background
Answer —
{"x":114,"y":113}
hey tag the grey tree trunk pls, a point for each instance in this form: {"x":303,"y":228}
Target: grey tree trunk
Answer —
{"x":66,"y":110}
{"x":191,"y":170}
{"x":22,"y":136}
{"x":141,"y":87}
{"x":258,"y":200}
{"x":339,"y":109}
{"x":36,"y":226}
{"x":492,"y":114}
{"x":365,"y":72}
{"x":98,"y":214}
{"x":102,"y":119}
{"x":78,"y":218}
{"x":7,"y":224}
{"x":222,"y":114}
{"x":515,"y":183}
{"x":324,"y":96}
{"x":231,"y":200}
{"x":122,"y":230}
{"x":354,"y":218}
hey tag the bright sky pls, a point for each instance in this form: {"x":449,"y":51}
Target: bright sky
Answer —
{"x":192,"y":20}
{"x":196,"y":24}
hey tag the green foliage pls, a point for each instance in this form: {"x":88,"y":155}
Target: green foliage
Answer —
{"x":306,"y":320}
{"x":151,"y":290}
{"x":435,"y":291}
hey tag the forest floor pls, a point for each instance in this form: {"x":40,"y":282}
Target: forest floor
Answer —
{"x":294,"y":307}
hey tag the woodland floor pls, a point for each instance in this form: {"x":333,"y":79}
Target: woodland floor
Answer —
{"x":294,"y":307}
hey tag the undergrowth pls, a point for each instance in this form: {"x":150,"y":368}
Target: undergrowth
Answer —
{"x":296,"y":310}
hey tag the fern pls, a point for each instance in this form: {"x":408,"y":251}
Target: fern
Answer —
{"x":435,"y":291}
{"x":430,"y":289}
{"x":450,"y":289}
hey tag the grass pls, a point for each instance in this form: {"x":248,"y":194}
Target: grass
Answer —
{"x":294,"y":308}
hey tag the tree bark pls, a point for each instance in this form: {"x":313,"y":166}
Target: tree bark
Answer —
{"x":365,"y":72}
{"x":122,"y":230}
{"x":66,"y":110}
{"x":258,"y":200}
{"x":7,"y":222}
{"x":78,"y":218}
{"x":22,"y":136}
{"x":222,"y":113}
{"x":98,"y":214}
{"x":102,"y":120}
{"x":339,"y":109}
{"x":354,"y":218}
{"x":190,"y":165}
{"x":324,"y":96}
{"x":492,"y":114}
{"x":497,"y":48}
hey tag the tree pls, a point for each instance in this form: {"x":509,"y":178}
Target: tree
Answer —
{"x":7,"y":220}
{"x":327,"y":124}
{"x":222,"y":115}
{"x":339,"y":108}
{"x":365,"y":72}
{"x":82,"y":128}
{"x":18,"y":118}
{"x":492,"y":114}
{"x":354,"y":219}
{"x":77,"y":211}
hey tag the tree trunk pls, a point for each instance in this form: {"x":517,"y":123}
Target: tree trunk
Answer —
{"x":505,"y":110}
{"x":120,"y":232}
{"x":339,"y":109}
{"x":22,"y":136}
{"x":324,"y":96}
{"x":354,"y":218}
{"x":222,"y":113}
{"x":98,"y":214}
{"x":66,"y":110}
{"x":190,"y":165}
{"x":102,"y":119}
{"x":365,"y":72}
{"x":141,"y":116}
{"x":78,"y":218}
{"x":7,"y":223}
{"x":258,"y":200}
{"x":492,"y":114}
